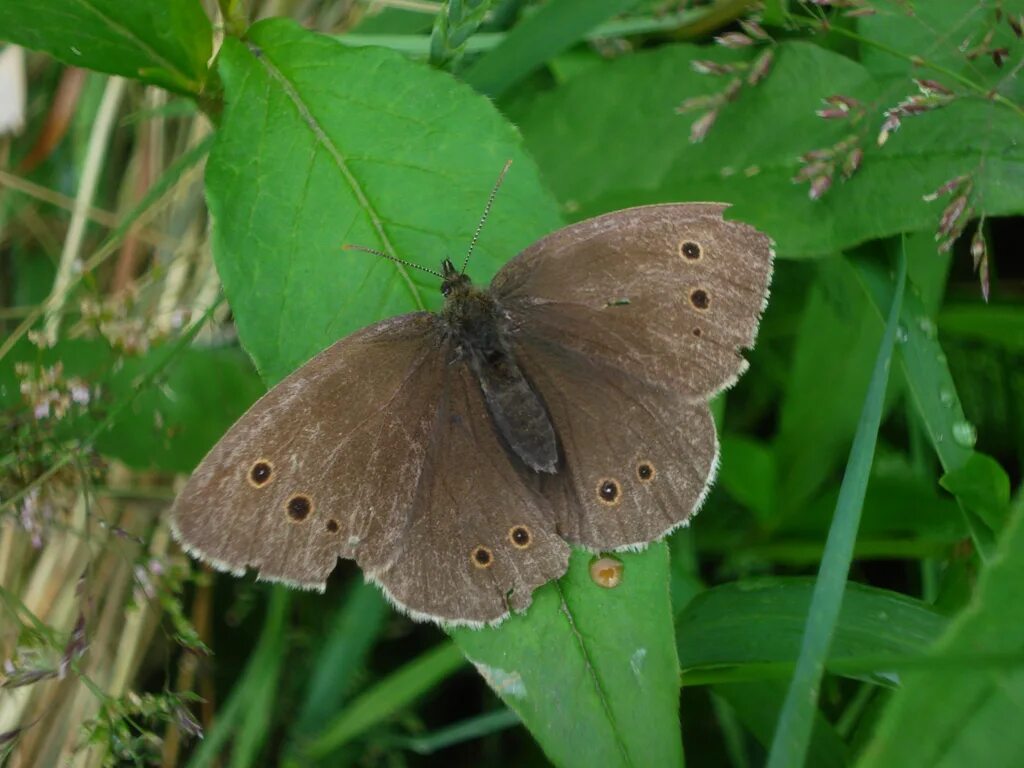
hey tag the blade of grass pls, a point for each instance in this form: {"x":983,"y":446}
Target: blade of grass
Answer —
{"x":553,"y":28}
{"x":142,"y":213}
{"x":933,"y":392}
{"x":246,"y":714}
{"x":467,"y":730}
{"x":385,"y":699}
{"x":793,"y":731}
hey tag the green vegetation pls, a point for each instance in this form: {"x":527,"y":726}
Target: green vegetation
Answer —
{"x":180,"y":191}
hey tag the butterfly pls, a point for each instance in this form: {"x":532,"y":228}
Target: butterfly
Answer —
{"x":456,"y":456}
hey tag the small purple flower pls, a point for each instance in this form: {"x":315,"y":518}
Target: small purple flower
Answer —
{"x":833,"y":113}
{"x":891,"y":124}
{"x":820,"y":186}
{"x":761,"y":67}
{"x":42,"y":410}
{"x":852,"y":162}
{"x":702,"y":125}
{"x":953,"y":213}
{"x":708,"y":67}
{"x":80,"y":393}
{"x":734,"y":40}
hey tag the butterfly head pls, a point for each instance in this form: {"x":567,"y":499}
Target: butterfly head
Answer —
{"x":454,"y":283}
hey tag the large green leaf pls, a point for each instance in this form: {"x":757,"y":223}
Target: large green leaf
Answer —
{"x":161,"y":42}
{"x":968,"y":709}
{"x":323,"y":145}
{"x":873,"y":622}
{"x":591,"y":671}
{"x":624,"y":112}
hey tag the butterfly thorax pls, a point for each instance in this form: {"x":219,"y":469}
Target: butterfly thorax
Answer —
{"x":479,"y":332}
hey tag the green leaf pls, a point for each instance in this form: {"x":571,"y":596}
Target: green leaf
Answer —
{"x":302,"y":166}
{"x":829,"y":372}
{"x":592,"y":672}
{"x":624,"y":112}
{"x":545,"y":33}
{"x":156,"y":41}
{"x":983,"y":486}
{"x":1001,"y":325}
{"x":931,"y":388}
{"x":930,"y":40}
{"x":748,"y":474}
{"x":713,"y":630}
{"x":957,"y":716}
{"x":792,"y":734}
{"x":322,"y":146}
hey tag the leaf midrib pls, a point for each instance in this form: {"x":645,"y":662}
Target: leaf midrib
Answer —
{"x":602,"y":696}
{"x":321,"y":137}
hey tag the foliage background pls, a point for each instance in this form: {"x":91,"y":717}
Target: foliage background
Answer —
{"x":172,"y":152}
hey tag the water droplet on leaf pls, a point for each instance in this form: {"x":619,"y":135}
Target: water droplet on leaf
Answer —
{"x":965,"y":434}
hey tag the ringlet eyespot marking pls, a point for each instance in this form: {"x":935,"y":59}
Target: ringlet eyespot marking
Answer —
{"x":520,"y":536}
{"x":261,"y":473}
{"x":504,"y":410}
{"x":699,"y":298}
{"x":690,"y":250}
{"x":609,"y":491}
{"x":606,"y":571}
{"x":482,"y":557}
{"x":299,"y":507}
{"x":645,"y":471}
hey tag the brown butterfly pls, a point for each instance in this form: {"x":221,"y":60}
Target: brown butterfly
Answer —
{"x":455,"y":456}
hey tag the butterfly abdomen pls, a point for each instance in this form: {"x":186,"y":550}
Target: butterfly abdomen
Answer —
{"x":475,"y":323}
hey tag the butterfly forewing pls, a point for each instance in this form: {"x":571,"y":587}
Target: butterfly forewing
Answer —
{"x":309,"y":474}
{"x":669,"y":294}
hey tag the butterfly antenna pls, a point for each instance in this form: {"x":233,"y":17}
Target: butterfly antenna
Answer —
{"x":389,"y":257}
{"x":487,"y":210}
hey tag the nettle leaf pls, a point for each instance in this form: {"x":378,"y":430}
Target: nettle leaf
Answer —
{"x":624,"y":112}
{"x":322,"y":145}
{"x":160,"y":42}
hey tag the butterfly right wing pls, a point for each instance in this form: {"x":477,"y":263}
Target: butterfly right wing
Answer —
{"x":328,"y":459}
{"x":668,"y":293}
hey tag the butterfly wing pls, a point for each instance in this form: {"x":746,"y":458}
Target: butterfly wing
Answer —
{"x":380,"y":450}
{"x":637,"y":459}
{"x":626,"y":324}
{"x":481,"y":538}
{"x":329,"y":458}
{"x":668,"y":293}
